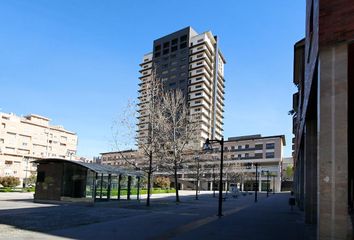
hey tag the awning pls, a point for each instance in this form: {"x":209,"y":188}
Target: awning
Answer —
{"x":95,"y":167}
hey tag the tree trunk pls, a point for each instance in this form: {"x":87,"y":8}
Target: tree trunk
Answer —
{"x":176,"y":184}
{"x":149,"y":179}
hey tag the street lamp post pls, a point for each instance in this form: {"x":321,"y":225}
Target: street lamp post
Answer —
{"x":207,"y":146}
{"x":197,"y":182}
{"x":267,"y":171}
{"x":256,"y":189}
{"x":226,"y":184}
{"x":213,"y":181}
{"x":273,"y":184}
{"x":25,"y":182}
{"x":268,"y":183}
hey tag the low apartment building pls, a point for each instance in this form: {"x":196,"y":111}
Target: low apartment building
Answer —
{"x":29,"y":138}
{"x":288,"y":169}
{"x":241,"y":154}
{"x":120,"y":158}
{"x":267,"y":152}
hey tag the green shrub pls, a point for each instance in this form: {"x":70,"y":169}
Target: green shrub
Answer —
{"x":30,"y":189}
{"x":9,"y":181}
{"x":5,"y":189}
{"x":134,"y":191}
{"x":162,"y":182}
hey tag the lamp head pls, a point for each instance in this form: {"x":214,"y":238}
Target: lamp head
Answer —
{"x":207,"y":145}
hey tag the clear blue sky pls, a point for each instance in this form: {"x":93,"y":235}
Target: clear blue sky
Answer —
{"x":77,"y":62}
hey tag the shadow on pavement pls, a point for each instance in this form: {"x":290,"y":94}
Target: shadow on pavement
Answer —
{"x":45,"y":218}
{"x":163,"y":218}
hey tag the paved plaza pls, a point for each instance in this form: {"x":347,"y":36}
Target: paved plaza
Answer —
{"x":269,"y":218}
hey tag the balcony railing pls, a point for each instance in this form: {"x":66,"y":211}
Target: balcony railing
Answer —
{"x":242,"y":149}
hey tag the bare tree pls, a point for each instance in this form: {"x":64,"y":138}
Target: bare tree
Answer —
{"x":236,"y":173}
{"x":177,"y":129}
{"x":148,"y":138}
{"x":202,"y":168}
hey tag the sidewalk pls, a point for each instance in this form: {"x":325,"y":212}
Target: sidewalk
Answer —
{"x":270,"y":218}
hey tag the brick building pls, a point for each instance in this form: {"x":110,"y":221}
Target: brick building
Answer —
{"x":323,"y":118}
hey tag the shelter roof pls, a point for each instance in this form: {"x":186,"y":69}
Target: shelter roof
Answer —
{"x":95,"y":167}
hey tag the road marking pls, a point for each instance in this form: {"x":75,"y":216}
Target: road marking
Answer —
{"x":196,"y":224}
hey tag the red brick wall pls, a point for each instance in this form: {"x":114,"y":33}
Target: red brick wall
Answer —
{"x":351,"y":124}
{"x":336,"y":21}
{"x":311,"y":54}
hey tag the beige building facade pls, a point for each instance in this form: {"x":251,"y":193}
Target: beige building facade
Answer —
{"x":29,"y":138}
{"x":241,"y":154}
{"x":120,"y":158}
{"x":267,"y":152}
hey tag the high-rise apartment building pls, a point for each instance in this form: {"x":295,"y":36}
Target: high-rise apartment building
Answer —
{"x":194,"y":64}
{"x":24,"y":139}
